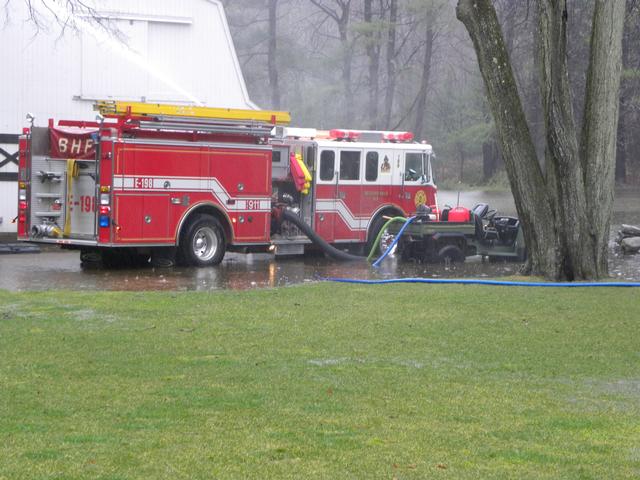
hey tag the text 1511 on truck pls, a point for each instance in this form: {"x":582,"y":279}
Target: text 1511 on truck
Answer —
{"x":157,"y":181}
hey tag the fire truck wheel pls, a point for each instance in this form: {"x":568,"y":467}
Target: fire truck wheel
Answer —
{"x":203,"y":243}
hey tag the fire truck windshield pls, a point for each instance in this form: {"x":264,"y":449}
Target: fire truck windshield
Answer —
{"x":414,"y":167}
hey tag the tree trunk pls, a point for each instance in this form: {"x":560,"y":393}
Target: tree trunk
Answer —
{"x":621,"y":149}
{"x":461,"y":158}
{"x":490,"y":158}
{"x":391,"y":59}
{"x":566,"y":218}
{"x":372,"y":48}
{"x":272,"y":64}
{"x":421,"y":103}
{"x":625,"y":112}
{"x":347,"y":54}
{"x":523,"y":169}
{"x":342,"y":17}
{"x":601,"y":123}
{"x":562,"y":156}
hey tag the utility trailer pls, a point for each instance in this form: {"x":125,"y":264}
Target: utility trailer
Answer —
{"x":461,"y":233}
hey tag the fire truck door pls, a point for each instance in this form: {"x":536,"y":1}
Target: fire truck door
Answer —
{"x":349,"y":197}
{"x":326,"y":193}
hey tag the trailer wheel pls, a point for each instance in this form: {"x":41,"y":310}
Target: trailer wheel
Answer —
{"x":203,"y":243}
{"x":450,"y":253}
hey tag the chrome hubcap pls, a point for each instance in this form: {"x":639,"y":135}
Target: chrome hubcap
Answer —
{"x":205,"y":243}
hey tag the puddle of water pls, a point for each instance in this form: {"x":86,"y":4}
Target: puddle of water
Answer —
{"x":62,"y":270}
{"x":59,"y":269}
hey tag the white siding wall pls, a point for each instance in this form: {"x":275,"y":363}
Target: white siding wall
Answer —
{"x":54,"y":76}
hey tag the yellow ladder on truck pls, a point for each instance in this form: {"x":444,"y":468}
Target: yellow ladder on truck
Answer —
{"x":106,"y":107}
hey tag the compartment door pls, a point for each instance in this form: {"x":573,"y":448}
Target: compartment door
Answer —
{"x":326,"y":193}
{"x":83,"y":203}
{"x":142,"y":218}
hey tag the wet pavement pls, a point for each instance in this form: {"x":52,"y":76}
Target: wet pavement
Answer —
{"x":59,"y":269}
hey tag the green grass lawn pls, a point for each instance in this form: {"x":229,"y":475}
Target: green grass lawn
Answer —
{"x":321,"y":381}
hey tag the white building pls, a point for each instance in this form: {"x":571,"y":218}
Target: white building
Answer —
{"x":166,"y":51}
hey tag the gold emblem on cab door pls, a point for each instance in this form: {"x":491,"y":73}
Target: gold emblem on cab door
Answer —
{"x":420,"y":198}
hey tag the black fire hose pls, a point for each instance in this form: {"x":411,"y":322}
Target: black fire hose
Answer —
{"x":333,"y":252}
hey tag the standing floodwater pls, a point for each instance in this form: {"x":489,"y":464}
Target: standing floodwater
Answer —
{"x":58,"y":269}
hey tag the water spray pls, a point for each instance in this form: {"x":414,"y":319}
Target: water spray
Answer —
{"x":54,"y":7}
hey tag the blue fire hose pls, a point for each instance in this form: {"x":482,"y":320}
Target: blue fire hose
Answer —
{"x":472,"y":281}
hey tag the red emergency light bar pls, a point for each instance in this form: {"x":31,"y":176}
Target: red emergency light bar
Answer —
{"x":338,"y":134}
{"x":382,"y":136}
{"x":397,"y":136}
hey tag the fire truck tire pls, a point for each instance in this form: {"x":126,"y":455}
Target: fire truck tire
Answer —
{"x":90,"y":257}
{"x":203,"y":243}
{"x":123,"y":258}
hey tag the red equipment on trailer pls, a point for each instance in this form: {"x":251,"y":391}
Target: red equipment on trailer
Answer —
{"x":149,"y":178}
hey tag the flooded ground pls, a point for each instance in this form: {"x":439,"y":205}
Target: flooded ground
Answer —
{"x":58,"y":269}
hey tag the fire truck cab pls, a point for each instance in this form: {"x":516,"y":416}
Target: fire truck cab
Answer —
{"x":358,"y":178}
{"x":153,"y":181}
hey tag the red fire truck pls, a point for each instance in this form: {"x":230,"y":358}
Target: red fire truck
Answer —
{"x":153,"y":180}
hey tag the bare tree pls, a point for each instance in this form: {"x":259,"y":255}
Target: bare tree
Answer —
{"x":66,"y":15}
{"x":340,"y":12}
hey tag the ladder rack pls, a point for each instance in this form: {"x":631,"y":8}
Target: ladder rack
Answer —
{"x":116,"y":108}
{"x":209,"y":125}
